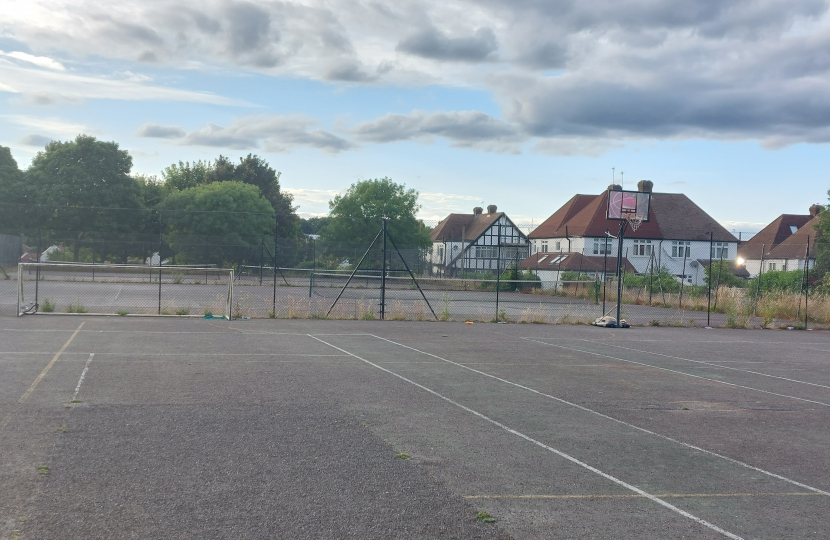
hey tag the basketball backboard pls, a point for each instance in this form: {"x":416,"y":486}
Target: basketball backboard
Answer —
{"x":622,"y":204}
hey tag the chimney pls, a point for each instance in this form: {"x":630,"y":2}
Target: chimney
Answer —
{"x":491,"y":209}
{"x":815,"y":209}
{"x":477,"y":211}
{"x":615,"y":187}
{"x":645,"y":186}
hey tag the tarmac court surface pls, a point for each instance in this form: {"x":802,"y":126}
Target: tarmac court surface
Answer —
{"x":117,"y":427}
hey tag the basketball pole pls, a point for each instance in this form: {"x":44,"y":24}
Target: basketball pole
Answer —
{"x":620,"y":237}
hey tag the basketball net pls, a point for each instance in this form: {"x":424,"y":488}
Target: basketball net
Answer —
{"x":634,"y":219}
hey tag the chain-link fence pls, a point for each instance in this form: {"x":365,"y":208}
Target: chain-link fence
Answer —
{"x":673,"y":283}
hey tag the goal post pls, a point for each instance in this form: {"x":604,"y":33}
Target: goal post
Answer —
{"x":115,"y":289}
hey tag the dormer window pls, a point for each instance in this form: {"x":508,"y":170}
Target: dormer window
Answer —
{"x":793,"y":229}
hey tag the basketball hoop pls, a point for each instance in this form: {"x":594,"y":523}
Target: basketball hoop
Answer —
{"x":635,"y":219}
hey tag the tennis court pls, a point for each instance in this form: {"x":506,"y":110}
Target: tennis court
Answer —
{"x":114,"y":427}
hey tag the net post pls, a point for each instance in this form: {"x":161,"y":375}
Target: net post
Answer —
{"x":498,"y":271}
{"x":806,"y":280}
{"x":709,"y":300}
{"x":229,"y":300}
{"x":274,"y":303}
{"x":383,"y":276}
{"x":20,"y":298}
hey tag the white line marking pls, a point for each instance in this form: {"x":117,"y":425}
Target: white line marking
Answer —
{"x":545,"y":446}
{"x":638,"y":428}
{"x":680,"y":373}
{"x":118,"y":293}
{"x":710,"y":364}
{"x":81,"y":380}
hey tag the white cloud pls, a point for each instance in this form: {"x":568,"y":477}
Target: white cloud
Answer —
{"x":48,"y":125}
{"x":41,"y":61}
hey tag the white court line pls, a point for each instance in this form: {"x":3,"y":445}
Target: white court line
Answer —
{"x":708,"y":364}
{"x":545,"y":446}
{"x":680,"y":372}
{"x":601,"y":415}
{"x":81,"y":380}
{"x":118,"y":293}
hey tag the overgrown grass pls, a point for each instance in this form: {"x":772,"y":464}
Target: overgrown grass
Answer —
{"x":47,"y":306}
{"x":76,"y":308}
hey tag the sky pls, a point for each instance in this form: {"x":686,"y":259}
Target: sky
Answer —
{"x":517,"y":103}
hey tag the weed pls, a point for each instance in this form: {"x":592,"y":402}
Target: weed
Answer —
{"x":47,"y":306}
{"x":368,"y":315}
{"x":208,"y":313}
{"x":484,"y":517}
{"x":654,"y":322}
{"x":444,"y":315}
{"x":63,"y":429}
{"x":272,"y":314}
{"x":730,"y":321}
{"x":76,"y":308}
{"x":502,"y":315}
{"x":122,"y":313}
{"x":403,"y":455}
{"x":183,"y":311}
{"x":178,"y":278}
{"x":75,"y":401}
{"x":43,"y":469}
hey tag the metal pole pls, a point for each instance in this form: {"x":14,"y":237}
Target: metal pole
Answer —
{"x":623,"y":223}
{"x":683,"y":279}
{"x":159,"y":262}
{"x":651,"y":277}
{"x":758,"y":283}
{"x":274,"y":302}
{"x":261,"y":254}
{"x":498,"y":271}
{"x":806,"y":279}
{"x":383,"y":276}
{"x":37,"y":268}
{"x":709,"y":300}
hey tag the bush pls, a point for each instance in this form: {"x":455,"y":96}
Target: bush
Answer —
{"x":791,"y":281}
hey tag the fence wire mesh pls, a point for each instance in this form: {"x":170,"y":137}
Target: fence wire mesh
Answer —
{"x":672,"y":283}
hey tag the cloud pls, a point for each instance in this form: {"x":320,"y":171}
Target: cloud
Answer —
{"x":270,"y":132}
{"x":40,"y":61}
{"x":433,"y":44}
{"x":160,"y":132}
{"x":48,"y":125}
{"x":35,"y":140}
{"x":350,"y":71}
{"x":464,"y":129}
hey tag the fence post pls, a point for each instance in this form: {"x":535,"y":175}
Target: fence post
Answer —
{"x":683,"y":277}
{"x":498,"y":270}
{"x":709,"y":300}
{"x":274,"y":303}
{"x":383,"y":276}
{"x":159,"y":262}
{"x":37,"y":268}
{"x":758,"y":283}
{"x":604,"y":270}
{"x":806,"y":279}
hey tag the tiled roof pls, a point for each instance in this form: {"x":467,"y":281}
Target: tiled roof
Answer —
{"x":471,"y":226}
{"x":795,"y":246}
{"x":573,"y":261}
{"x":772,"y":235}
{"x":672,"y":216}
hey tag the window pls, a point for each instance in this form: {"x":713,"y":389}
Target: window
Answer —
{"x":681,"y":248}
{"x":487,"y":252}
{"x":771,"y":267}
{"x":558,"y":245}
{"x":544,"y":246}
{"x":642,"y":248}
{"x":793,"y":229}
{"x":602,"y":246}
{"x":720,"y":250}
{"x":441,"y":253}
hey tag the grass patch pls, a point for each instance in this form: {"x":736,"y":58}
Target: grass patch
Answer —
{"x":76,"y":308}
{"x":47,"y":306}
{"x":122,"y":313}
{"x":403,"y":455}
{"x":484,"y":517}
{"x":43,"y":469}
{"x":183,"y":311}
{"x":75,"y":401}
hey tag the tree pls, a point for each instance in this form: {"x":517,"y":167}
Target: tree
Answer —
{"x":184,"y":175}
{"x":822,"y":244}
{"x":313,"y":225}
{"x":14,"y":194}
{"x":356,"y":217}
{"x":215,"y":223}
{"x":84,"y":187}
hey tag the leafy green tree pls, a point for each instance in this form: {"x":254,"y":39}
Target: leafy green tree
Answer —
{"x":791,"y":281}
{"x":215,"y":223}
{"x":14,"y":194}
{"x":356,"y":217}
{"x":822,"y":244}
{"x":184,"y":175}
{"x":84,"y":187}
{"x":313,"y":225}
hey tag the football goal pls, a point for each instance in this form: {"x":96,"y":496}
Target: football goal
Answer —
{"x":112,"y":289}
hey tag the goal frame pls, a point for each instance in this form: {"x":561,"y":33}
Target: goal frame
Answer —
{"x":21,"y":300}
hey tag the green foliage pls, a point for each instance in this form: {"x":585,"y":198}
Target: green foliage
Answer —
{"x":14,"y":193}
{"x":78,"y":183}
{"x":356,"y":217}
{"x":184,"y":175}
{"x":822,"y":243}
{"x":659,"y":281}
{"x":722,"y":275}
{"x":573,"y":275}
{"x":47,"y":306}
{"x":313,"y":225}
{"x":234,"y":216}
{"x":778,"y":281}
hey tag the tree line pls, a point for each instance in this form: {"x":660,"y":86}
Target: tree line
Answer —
{"x":82,"y":194}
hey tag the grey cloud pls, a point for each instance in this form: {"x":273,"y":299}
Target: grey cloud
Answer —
{"x":349,"y":71}
{"x":249,"y":27}
{"x":160,"y":132}
{"x":432,"y":43}
{"x":464,"y":129}
{"x":35,"y":140}
{"x":274,"y":133}
{"x":545,"y":56}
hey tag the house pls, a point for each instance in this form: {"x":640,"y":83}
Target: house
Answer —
{"x":782,"y":245}
{"x":473,"y":242}
{"x":676,"y":238}
{"x":550,"y":266}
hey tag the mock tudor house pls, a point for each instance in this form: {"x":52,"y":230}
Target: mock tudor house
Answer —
{"x":470,"y":242}
{"x":782,"y":245}
{"x":675,"y":238}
